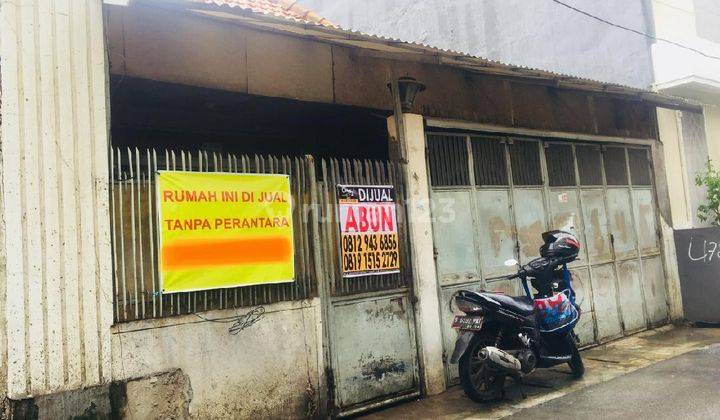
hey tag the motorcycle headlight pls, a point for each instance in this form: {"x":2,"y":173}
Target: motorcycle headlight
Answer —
{"x":467,"y":306}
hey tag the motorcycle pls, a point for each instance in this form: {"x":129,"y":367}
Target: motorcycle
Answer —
{"x":501,"y":336}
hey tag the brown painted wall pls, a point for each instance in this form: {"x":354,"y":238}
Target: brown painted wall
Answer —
{"x":174,"y":47}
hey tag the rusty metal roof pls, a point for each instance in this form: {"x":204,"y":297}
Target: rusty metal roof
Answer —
{"x":288,"y":17}
{"x":285,"y":9}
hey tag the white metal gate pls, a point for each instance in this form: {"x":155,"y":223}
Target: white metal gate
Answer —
{"x":493,"y":196}
{"x":373,"y":352}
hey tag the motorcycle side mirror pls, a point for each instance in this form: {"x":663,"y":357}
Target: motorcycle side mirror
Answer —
{"x":511,"y":262}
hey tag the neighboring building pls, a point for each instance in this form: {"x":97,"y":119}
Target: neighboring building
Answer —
{"x":96,"y":98}
{"x":539,"y":34}
{"x":690,"y":138}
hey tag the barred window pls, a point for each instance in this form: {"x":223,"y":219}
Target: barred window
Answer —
{"x":525,"y":162}
{"x":588,"y":160}
{"x":615,"y":166}
{"x":560,"y":165}
{"x":639,"y":167}
{"x":448,"y":159}
{"x":489,"y":161}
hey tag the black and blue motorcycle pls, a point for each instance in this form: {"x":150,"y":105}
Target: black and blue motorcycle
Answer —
{"x":501,"y":336}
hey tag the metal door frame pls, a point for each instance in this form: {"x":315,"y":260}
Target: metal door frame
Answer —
{"x":344,"y":171}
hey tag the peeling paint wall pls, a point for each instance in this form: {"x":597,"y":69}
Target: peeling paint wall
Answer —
{"x":56,"y":236}
{"x":687,"y":145}
{"x":271,"y":369}
{"x":696,"y":155}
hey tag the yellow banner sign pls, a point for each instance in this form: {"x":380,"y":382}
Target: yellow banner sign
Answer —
{"x":221,"y":230}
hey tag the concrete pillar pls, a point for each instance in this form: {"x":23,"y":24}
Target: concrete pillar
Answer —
{"x":427,"y":309}
{"x":712,"y":132}
{"x":675,"y":175}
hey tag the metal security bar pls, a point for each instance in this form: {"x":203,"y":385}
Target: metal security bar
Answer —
{"x":448,"y":155}
{"x":359,"y":172}
{"x":489,"y":160}
{"x":135,"y":239}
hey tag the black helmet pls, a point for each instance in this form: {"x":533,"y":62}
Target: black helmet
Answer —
{"x":559,"y":244}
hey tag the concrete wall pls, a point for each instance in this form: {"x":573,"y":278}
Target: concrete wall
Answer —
{"x":689,"y":140}
{"x":538,"y":34}
{"x":271,"y":369}
{"x":695,"y":159}
{"x":162,"y":45}
{"x":55,"y":275}
{"x":675,"y":175}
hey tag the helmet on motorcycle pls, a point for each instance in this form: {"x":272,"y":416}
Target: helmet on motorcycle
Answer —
{"x":559,"y":244}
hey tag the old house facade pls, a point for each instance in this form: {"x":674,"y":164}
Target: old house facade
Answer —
{"x":98,"y":97}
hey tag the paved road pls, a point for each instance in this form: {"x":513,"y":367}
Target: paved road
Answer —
{"x":684,"y":387}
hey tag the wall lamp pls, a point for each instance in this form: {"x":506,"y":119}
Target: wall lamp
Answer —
{"x":408,"y":88}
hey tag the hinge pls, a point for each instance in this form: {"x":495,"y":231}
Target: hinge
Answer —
{"x":413,"y":299}
{"x":435,"y":253}
{"x":330,"y":375}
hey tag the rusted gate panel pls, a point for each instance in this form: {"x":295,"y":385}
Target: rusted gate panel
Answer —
{"x":530,"y":222}
{"x":600,"y":258}
{"x":649,"y":247}
{"x":605,"y":301}
{"x":565,"y":210}
{"x":605,"y":192}
{"x":597,"y":232}
{"x":495,"y":231}
{"x":626,"y":259}
{"x":372,"y":349}
{"x":631,"y":295}
{"x":457,"y":263}
{"x":373,"y":352}
{"x":585,"y":328}
{"x":654,"y":288}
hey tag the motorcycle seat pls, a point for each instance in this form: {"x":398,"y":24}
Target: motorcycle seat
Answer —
{"x":520,"y":305}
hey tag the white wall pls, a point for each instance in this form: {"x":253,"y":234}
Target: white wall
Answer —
{"x":56,"y":245}
{"x":268,"y":370}
{"x":686,"y":22}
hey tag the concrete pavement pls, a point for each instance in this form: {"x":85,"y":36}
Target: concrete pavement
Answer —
{"x":604,"y":365}
{"x":684,"y":387}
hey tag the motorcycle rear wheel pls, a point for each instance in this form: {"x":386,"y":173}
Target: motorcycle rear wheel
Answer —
{"x":577,"y":367}
{"x":478,"y":382}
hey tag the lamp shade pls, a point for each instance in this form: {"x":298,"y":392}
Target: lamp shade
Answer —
{"x":408,"y":89}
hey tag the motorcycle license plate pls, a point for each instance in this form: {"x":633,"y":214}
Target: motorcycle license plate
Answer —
{"x":468,"y":323}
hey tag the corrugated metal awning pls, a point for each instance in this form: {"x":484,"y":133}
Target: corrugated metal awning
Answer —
{"x":321,"y":30}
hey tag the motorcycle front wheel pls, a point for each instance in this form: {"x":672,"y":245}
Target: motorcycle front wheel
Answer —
{"x":477,"y":380}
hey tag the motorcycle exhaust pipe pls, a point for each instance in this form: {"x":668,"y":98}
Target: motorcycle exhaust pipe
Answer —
{"x":500,"y":360}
